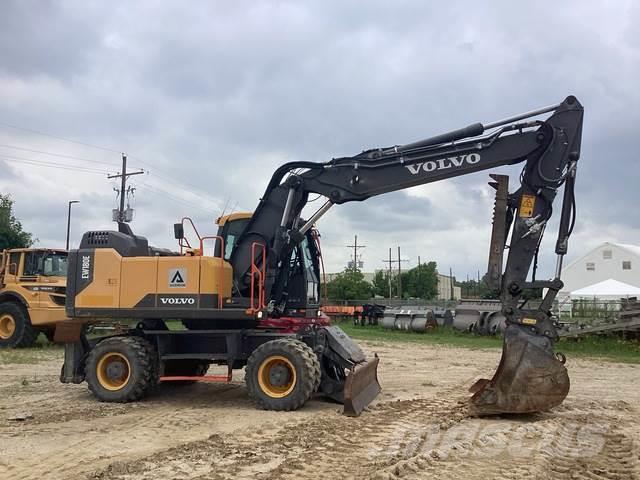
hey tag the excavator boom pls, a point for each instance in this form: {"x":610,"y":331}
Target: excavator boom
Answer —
{"x":530,"y":377}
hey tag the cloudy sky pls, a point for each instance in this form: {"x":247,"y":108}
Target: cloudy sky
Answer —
{"x":209,"y":97}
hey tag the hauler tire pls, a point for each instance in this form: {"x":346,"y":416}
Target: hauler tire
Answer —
{"x":16,"y":330}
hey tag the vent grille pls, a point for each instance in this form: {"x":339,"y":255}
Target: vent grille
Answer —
{"x":98,"y":238}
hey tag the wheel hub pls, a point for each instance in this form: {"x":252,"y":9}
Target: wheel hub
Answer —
{"x":113,"y":371}
{"x":7,"y":326}
{"x":279,"y":375}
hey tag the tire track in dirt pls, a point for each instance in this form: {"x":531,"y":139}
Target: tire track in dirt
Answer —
{"x":327,"y":446}
{"x":131,"y":432}
{"x":413,"y":439}
{"x":570,"y":443}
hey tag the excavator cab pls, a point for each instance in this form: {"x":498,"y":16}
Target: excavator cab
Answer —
{"x":301,"y":275}
{"x":347,"y":376}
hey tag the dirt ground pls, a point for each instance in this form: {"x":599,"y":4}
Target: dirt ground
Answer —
{"x":417,"y":428}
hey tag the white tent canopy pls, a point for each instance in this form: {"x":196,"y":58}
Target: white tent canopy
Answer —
{"x":607,"y":290}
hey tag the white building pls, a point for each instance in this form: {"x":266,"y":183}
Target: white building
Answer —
{"x":617,"y":261}
{"x":444,"y":288}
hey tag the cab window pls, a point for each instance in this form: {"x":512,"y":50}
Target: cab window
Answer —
{"x":14,"y":263}
{"x":232,"y":232}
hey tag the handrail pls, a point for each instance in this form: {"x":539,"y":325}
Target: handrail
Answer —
{"x":212,"y":237}
{"x":217,"y":238}
{"x":260,"y":273}
{"x":193,"y":226}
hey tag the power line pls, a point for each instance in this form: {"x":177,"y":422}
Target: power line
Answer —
{"x":53,"y":165}
{"x":206,"y":198}
{"x":165,"y":194}
{"x":57,"y":137}
{"x":46,"y":162}
{"x":57,"y":154}
{"x":172,"y":191}
{"x":86,"y":144}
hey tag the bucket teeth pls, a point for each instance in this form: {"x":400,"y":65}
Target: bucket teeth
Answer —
{"x":529,"y":378}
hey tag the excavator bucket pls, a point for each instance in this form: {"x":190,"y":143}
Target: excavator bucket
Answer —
{"x":530,"y":377}
{"x":361,"y":387}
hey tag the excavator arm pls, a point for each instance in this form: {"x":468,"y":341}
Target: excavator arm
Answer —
{"x":530,"y":377}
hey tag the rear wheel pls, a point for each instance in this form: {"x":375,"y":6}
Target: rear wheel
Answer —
{"x":121,"y":369}
{"x":282,"y":374}
{"x":15,"y":327}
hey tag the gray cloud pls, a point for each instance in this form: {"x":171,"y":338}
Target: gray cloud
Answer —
{"x":217,"y":95}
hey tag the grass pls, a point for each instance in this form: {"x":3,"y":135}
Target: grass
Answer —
{"x":602,"y":347}
{"x":42,"y":350}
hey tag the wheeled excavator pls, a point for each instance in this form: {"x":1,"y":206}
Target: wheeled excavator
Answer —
{"x":254,"y":301}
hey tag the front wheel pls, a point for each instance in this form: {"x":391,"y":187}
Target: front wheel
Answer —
{"x":15,"y":327}
{"x":282,"y":374}
{"x":121,"y":369}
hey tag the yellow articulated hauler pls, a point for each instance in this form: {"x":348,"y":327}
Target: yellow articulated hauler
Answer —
{"x":32,"y":294}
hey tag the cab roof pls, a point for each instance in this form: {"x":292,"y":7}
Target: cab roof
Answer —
{"x":232,"y":217}
{"x":56,"y":250}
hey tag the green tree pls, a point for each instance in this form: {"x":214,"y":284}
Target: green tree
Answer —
{"x":475,"y":289}
{"x":349,"y":285}
{"x":11,"y":233}
{"x":421,"y":281}
{"x":381,"y":283}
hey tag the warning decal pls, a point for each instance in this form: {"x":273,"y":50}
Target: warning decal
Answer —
{"x":527,"y":203}
{"x":177,"y":277}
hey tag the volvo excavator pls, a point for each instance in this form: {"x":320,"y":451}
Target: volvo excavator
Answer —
{"x":254,"y":301}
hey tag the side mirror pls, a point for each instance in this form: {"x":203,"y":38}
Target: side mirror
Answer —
{"x":178,"y":231}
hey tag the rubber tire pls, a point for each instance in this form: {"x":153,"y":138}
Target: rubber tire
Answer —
{"x":307,"y":369}
{"x":143,"y":361}
{"x":24,"y":335}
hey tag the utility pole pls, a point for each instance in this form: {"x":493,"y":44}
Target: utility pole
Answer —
{"x":451,"y":282}
{"x":467,"y":295}
{"x":123,"y":187}
{"x":400,"y":260}
{"x":355,"y":247}
{"x":390,"y":263}
{"x":399,"y":274}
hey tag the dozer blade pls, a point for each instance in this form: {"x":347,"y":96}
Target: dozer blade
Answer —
{"x":529,"y":377}
{"x":361,"y":387}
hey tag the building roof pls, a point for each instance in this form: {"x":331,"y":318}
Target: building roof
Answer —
{"x":608,"y":287}
{"x":633,"y":249}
